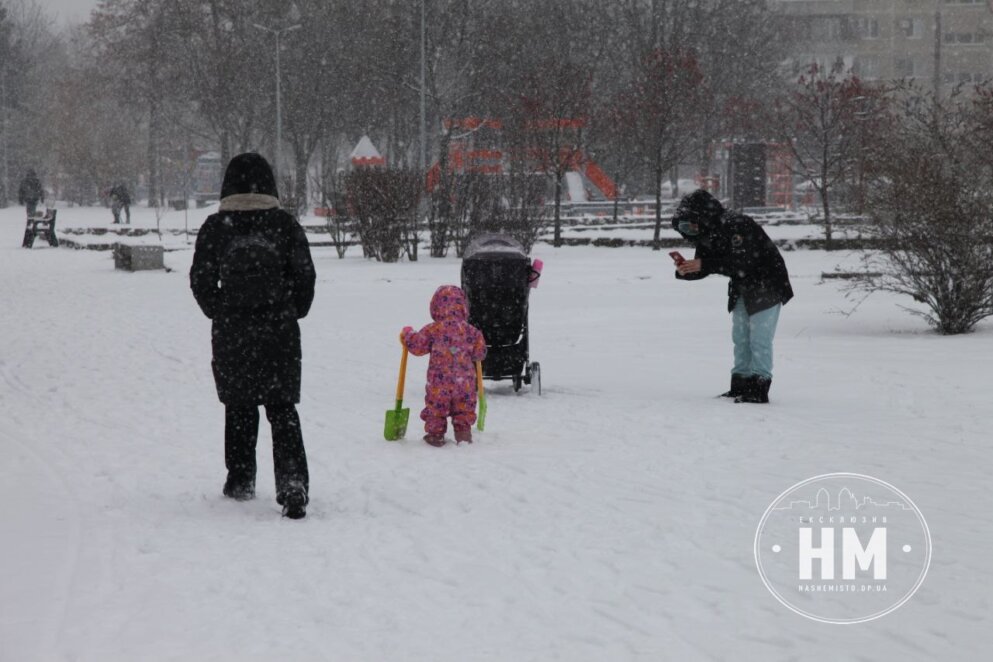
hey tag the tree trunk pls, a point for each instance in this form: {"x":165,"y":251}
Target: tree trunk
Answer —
{"x":557,"y":241}
{"x":826,"y":206}
{"x":657,"y":237}
{"x":617,"y":194}
{"x":153,"y":152}
{"x":441,"y":226}
{"x":225,"y":149}
{"x":302,"y":160}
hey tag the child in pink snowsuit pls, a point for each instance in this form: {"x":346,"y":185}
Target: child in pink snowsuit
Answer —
{"x":455,"y":346}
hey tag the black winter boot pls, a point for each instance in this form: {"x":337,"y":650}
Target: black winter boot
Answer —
{"x":293,"y":500}
{"x":239,"y":489}
{"x":756,"y":391}
{"x":241,"y":431}
{"x":737,"y":386}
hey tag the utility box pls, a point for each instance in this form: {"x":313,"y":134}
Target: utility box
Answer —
{"x":138,"y":258}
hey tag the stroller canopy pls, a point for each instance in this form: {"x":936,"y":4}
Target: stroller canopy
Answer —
{"x":495,"y":247}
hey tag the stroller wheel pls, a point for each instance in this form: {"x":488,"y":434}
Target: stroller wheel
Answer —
{"x":536,"y":376}
{"x":517,"y":383}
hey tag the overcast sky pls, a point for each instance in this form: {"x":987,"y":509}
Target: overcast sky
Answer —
{"x":69,"y":10}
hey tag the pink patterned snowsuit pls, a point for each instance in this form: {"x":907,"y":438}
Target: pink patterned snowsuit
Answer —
{"x":455,"y":346}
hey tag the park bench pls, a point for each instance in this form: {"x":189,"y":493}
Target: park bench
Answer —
{"x":41,"y":225}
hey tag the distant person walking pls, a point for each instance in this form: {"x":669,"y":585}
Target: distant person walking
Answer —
{"x":252,"y":275}
{"x":30,"y":192}
{"x":733,"y":245}
{"x":120,"y":199}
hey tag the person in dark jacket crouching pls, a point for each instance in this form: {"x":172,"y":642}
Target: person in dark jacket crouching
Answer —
{"x":733,"y":245}
{"x":253,"y":276}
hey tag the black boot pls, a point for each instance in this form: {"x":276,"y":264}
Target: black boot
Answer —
{"x":737,"y":386}
{"x":289,"y":459}
{"x":239,"y":489}
{"x":756,"y":391}
{"x":241,"y":429}
{"x":293,"y":500}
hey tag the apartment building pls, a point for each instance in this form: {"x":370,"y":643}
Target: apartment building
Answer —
{"x":895,"y":39}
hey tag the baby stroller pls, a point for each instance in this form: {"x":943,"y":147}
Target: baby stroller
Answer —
{"x":497,"y":276}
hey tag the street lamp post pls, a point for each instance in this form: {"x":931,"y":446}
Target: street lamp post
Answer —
{"x":279,"y":110}
{"x":423,"y":161}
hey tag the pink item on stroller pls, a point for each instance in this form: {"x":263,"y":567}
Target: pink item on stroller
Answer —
{"x":535,"y":276}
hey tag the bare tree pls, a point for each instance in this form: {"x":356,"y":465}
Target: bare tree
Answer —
{"x":95,"y":139}
{"x":931,"y":207}
{"x":553,"y":108}
{"x":225,"y":70}
{"x":133,"y":39}
{"x":30,"y":53}
{"x":822,"y":120}
{"x":662,"y":105}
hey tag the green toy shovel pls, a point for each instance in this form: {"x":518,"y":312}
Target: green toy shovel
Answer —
{"x":481,"y":394}
{"x":396,"y":419}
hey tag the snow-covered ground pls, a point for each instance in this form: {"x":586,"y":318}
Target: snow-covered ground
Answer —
{"x":612,"y":518}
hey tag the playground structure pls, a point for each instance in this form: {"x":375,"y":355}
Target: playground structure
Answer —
{"x":759,"y":174}
{"x":476,"y":145}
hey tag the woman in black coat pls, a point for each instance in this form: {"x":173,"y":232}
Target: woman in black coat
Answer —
{"x":253,"y":276}
{"x":734,"y":245}
{"x":30,"y":193}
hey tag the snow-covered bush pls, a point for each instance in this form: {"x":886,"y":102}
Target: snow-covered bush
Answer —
{"x":931,"y":213}
{"x":384,"y":204}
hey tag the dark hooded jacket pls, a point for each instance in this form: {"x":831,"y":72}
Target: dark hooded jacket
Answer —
{"x":734,"y":245}
{"x":119,"y":195}
{"x":30,"y":191}
{"x":256,"y":351}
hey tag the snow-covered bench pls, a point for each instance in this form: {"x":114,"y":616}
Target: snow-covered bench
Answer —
{"x":41,"y":225}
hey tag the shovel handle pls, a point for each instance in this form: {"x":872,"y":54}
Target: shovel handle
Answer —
{"x":403,"y":377}
{"x":479,"y":380}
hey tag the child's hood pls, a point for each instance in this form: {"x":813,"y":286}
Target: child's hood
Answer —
{"x":449,"y":303}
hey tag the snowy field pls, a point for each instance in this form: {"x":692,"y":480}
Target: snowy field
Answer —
{"x":612,"y":518}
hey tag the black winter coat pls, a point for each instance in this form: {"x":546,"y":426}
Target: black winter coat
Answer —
{"x":740,"y":249}
{"x":120,"y":195}
{"x":257,"y":356}
{"x":30,"y":191}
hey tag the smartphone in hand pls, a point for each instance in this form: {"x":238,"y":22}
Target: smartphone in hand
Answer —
{"x":677,"y":257}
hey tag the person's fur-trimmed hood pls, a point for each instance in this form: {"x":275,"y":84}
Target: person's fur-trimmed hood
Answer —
{"x":248,"y":202}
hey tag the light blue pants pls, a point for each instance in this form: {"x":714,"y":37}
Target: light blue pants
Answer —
{"x":752,"y":336}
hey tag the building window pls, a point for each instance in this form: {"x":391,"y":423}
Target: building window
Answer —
{"x":911,"y":28}
{"x":868,"y":28}
{"x":826,"y":29}
{"x":961,"y":77}
{"x":904,"y":68}
{"x":867,"y":67}
{"x":965,"y":38}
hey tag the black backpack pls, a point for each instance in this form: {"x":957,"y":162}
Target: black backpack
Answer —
{"x":252,"y":273}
